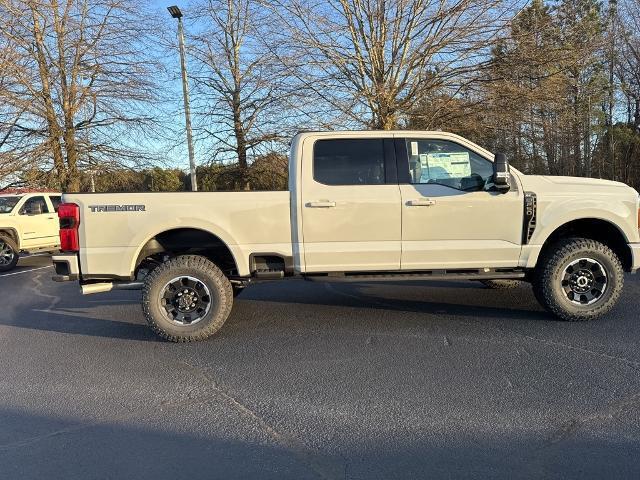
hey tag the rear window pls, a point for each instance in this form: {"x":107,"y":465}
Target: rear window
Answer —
{"x":349,"y":161}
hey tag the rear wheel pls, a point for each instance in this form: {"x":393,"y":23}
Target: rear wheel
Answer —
{"x":187,"y":298}
{"x":8,"y":253}
{"x":580,"y":279}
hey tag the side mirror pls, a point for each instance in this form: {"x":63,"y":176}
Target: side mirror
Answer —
{"x":501,"y":173}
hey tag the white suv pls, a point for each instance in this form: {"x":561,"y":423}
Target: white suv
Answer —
{"x":28,"y":223}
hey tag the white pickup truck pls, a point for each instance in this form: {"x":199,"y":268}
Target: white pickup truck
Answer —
{"x":28,"y":223}
{"x":361,"y":206}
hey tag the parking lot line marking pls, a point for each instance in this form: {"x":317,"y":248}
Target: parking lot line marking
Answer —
{"x":25,"y":271}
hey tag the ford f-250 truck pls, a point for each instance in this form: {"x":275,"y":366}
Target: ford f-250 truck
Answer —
{"x":361,"y":206}
{"x":28,"y":223}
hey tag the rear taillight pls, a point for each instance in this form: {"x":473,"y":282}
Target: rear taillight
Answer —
{"x":69,"y":214}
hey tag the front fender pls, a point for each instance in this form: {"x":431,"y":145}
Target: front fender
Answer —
{"x":554,"y":215}
{"x":13,"y":230}
{"x":560,"y":212}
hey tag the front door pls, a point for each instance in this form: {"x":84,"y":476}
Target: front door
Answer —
{"x":451,"y":219}
{"x":39,"y":223}
{"x":350,"y":205}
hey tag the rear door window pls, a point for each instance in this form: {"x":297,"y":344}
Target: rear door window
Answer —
{"x":349,"y":161}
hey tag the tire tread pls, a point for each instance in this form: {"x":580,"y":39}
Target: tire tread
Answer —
{"x":199,"y":263}
{"x":544,"y":278}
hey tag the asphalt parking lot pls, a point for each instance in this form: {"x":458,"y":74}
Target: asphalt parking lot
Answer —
{"x":305,"y":380}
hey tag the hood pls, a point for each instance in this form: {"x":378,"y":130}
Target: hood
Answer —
{"x":574,"y":185}
{"x":583,"y":181}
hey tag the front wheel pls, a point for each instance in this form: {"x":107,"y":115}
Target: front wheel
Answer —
{"x":187,"y":298}
{"x":580,"y":279}
{"x":8,"y":254}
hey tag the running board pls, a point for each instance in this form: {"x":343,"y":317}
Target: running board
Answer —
{"x":101,"y":287}
{"x":479,"y":274}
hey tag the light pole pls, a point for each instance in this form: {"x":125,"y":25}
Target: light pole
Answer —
{"x":176,"y":13}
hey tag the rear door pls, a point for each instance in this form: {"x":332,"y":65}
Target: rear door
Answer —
{"x":451,"y":218}
{"x":351,"y":218}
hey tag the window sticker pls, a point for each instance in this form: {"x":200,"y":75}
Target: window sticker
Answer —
{"x":414,"y":149}
{"x":449,"y":165}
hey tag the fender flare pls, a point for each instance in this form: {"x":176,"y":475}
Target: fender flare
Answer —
{"x":211,"y":229}
{"x":13,"y":233}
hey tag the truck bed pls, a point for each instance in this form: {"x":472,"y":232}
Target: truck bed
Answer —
{"x":115,"y":226}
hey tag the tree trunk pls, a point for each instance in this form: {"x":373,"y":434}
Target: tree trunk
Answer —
{"x":241,"y":141}
{"x":53,"y":128}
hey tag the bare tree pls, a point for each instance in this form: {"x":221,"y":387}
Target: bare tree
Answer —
{"x":239,"y":85}
{"x":629,"y":59}
{"x":79,"y":77}
{"x":372,"y":60}
{"x":12,"y":163}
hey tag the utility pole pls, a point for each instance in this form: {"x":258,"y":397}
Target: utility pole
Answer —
{"x":176,"y":13}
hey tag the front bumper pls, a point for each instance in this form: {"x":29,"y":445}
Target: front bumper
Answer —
{"x":635,"y":256}
{"x":66,"y":266}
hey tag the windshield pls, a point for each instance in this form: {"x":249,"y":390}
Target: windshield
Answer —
{"x":7,"y":204}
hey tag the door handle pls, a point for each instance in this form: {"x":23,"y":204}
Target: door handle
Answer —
{"x":421,"y":202}
{"x":321,"y":204}
{"x":51,"y":218}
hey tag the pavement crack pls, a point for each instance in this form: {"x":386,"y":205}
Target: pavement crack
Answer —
{"x":45,"y":436}
{"x":121,"y":418}
{"x":569,"y":428}
{"x":37,"y":289}
{"x":323,"y":469}
{"x":626,"y":361}
{"x":630,"y":363}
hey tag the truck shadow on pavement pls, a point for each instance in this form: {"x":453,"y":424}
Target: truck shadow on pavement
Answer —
{"x":447,"y":298}
{"x":121,"y":318}
{"x":36,"y":446}
{"x":54,"y":321}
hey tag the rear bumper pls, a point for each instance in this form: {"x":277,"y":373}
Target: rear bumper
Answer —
{"x":66,"y":266}
{"x":635,"y":256}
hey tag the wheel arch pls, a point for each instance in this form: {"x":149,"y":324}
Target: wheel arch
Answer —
{"x":194,"y":240}
{"x":599,"y":229}
{"x":12,"y":233}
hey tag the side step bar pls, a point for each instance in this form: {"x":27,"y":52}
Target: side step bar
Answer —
{"x":102,"y":287}
{"x":480,"y":274}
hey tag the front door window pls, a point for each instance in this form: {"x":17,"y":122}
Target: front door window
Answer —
{"x":447,"y":163}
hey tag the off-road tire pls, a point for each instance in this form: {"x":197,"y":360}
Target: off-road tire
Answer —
{"x":204,"y":271}
{"x":548,"y":278}
{"x":501,"y":284}
{"x":7,"y":241}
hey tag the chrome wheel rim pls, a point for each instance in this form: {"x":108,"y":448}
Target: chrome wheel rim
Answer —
{"x":7,"y":255}
{"x":584,"y":281}
{"x":185,"y":300}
